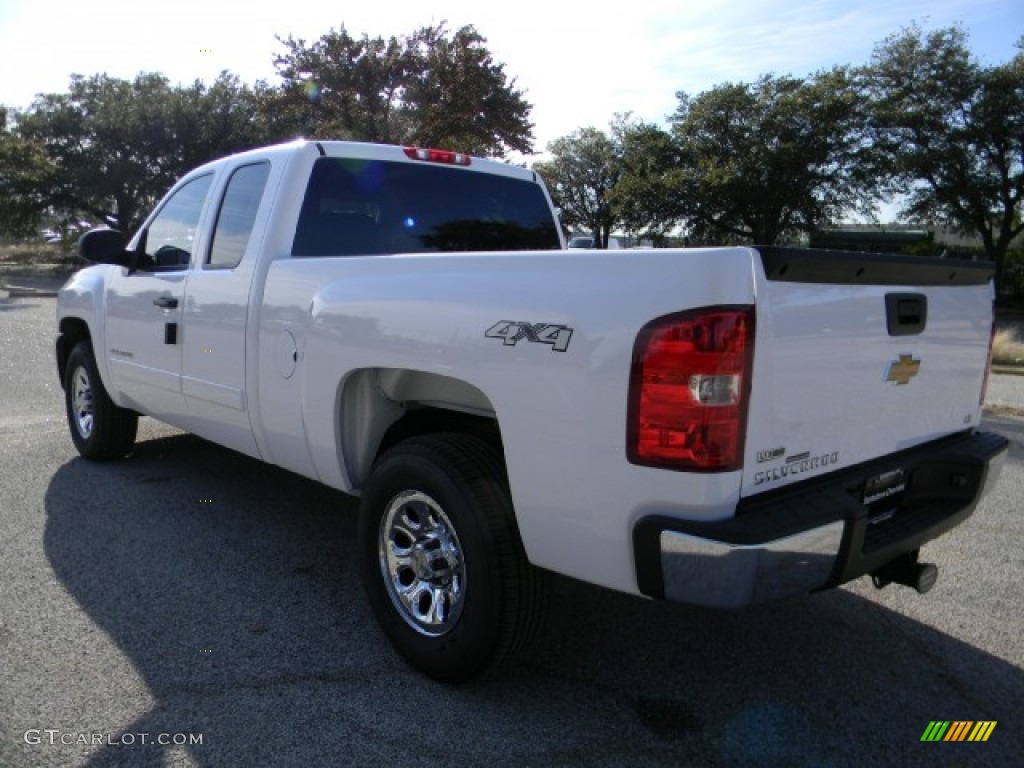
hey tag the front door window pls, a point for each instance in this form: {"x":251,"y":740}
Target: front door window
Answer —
{"x":170,"y":237}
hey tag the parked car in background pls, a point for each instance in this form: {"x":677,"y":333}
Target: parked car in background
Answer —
{"x":587,"y":241}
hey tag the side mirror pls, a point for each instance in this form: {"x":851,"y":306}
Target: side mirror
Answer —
{"x":105,"y":246}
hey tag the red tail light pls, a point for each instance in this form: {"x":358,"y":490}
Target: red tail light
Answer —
{"x":689,"y":388}
{"x":437,"y":156}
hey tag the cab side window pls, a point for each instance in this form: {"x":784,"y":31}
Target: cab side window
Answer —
{"x":237,"y":215}
{"x":171,"y":236}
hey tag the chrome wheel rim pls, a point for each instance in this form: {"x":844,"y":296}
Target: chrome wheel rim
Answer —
{"x":422,"y":564}
{"x":82,"y":405}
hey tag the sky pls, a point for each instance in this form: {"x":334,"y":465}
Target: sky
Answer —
{"x":576,"y":63}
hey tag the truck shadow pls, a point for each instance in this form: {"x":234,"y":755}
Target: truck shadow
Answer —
{"x":232,"y":589}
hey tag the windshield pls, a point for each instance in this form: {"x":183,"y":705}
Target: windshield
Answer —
{"x":360,"y":207}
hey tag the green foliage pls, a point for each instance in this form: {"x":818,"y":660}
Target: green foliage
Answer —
{"x":344,"y":87}
{"x":19,"y":253}
{"x":110,"y":140}
{"x":583,"y":170}
{"x":431,"y":88}
{"x":748,"y":162}
{"x":764,"y":159}
{"x":647,"y":198}
{"x":109,"y":148}
{"x":25,"y":173}
{"x":950,"y":133}
{"x":740,"y":162}
{"x":217,"y":120}
{"x":461,"y":98}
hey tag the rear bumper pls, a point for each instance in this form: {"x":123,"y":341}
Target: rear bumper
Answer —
{"x":816,"y":534}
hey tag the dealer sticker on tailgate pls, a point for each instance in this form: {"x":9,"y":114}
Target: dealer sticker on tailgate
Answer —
{"x":884,"y":486}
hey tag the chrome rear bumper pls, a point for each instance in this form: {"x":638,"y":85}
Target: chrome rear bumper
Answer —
{"x":708,"y":572}
{"x":816,"y":534}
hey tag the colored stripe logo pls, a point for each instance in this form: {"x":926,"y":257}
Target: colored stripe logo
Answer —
{"x":959,"y":730}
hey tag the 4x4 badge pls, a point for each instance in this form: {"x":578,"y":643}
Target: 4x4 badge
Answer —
{"x":510,"y":332}
{"x":902,"y":370}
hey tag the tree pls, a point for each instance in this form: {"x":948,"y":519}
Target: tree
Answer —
{"x":646,"y":198}
{"x":109,"y":140}
{"x":112,"y":147}
{"x":25,"y":170}
{"x":343,"y":87}
{"x":216,"y":120}
{"x":461,"y":98}
{"x":779,"y":155}
{"x":431,"y":88}
{"x":951,"y":132}
{"x":583,"y":170}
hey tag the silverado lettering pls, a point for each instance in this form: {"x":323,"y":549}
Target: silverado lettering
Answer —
{"x":795,"y":468}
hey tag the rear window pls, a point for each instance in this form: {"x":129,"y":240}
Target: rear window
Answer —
{"x":365,"y":207}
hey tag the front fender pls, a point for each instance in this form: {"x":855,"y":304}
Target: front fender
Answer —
{"x":81,"y":305}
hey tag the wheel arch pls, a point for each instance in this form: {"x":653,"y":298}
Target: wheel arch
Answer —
{"x":71,"y":331}
{"x":379,"y":407}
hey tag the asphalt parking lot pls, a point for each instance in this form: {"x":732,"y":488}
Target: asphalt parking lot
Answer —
{"x":189,"y":606}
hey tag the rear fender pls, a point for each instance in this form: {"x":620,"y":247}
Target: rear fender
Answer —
{"x":373,"y":400}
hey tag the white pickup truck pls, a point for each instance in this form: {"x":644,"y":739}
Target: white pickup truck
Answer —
{"x":719,"y":426}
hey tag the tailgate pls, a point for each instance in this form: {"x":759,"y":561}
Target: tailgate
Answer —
{"x":858,"y":356}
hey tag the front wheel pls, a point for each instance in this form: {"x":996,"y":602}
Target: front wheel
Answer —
{"x":441,"y":558}
{"x":100,"y":429}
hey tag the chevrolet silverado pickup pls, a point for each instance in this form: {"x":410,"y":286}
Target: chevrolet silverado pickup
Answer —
{"x":718,"y":426}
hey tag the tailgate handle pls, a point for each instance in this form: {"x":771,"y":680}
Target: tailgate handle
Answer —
{"x":905,"y":313}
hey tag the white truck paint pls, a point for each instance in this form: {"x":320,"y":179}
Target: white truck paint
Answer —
{"x":857,"y":410}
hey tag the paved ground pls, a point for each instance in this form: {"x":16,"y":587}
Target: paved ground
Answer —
{"x":190,"y":592}
{"x":1006,"y":391}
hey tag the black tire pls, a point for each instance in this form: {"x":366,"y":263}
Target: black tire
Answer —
{"x":100,"y":430}
{"x":473,"y":597}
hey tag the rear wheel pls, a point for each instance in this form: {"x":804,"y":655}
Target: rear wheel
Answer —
{"x":441,"y":558}
{"x":100,"y":429}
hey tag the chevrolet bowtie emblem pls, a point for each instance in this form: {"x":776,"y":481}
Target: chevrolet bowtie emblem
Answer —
{"x":903,"y":370}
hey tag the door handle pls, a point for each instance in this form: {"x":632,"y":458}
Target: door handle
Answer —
{"x":166,"y":302}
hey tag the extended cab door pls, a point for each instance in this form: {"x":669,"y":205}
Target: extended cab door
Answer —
{"x":216,"y":310}
{"x":143,"y":317}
